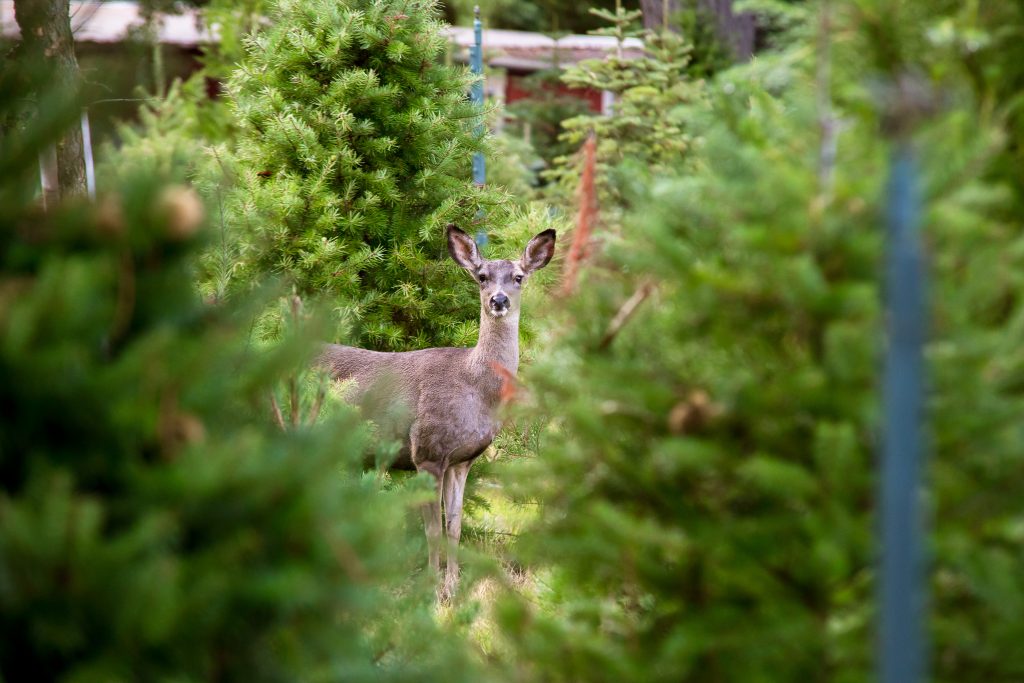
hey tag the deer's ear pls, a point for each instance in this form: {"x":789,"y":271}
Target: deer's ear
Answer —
{"x":538,"y":252}
{"x":463,"y":249}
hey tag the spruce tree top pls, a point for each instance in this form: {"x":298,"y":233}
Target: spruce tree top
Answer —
{"x":354,"y":154}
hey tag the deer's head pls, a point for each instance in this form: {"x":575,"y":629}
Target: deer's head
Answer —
{"x":500,"y":281}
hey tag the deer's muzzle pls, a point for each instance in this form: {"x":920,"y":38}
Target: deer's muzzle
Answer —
{"x":499,"y":303}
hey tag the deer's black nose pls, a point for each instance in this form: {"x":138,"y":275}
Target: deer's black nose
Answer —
{"x":499,"y":301}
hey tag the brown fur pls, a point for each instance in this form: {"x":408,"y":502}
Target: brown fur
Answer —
{"x":441,"y":402}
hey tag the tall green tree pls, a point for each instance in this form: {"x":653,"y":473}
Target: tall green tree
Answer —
{"x":651,"y":94}
{"x":708,"y":480}
{"x":354,"y":153}
{"x":45,"y":27}
{"x":706,"y":490}
{"x":154,"y":525}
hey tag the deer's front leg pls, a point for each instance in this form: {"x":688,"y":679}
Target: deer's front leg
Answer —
{"x":454,"y":488}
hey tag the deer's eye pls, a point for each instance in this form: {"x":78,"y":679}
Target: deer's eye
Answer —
{"x":518,"y":279}
{"x":482,"y":277}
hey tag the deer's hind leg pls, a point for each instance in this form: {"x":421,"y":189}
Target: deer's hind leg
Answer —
{"x":454,"y":488}
{"x":431,"y":511}
{"x":432,"y":525}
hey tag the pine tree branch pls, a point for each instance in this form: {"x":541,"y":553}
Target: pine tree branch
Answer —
{"x":624,"y":314}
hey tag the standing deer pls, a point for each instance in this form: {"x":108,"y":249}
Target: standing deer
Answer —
{"x":447,"y":397}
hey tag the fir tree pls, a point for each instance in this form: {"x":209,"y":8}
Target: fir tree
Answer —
{"x":651,"y":93}
{"x":708,"y":482}
{"x":354,"y":152}
{"x":153,"y":524}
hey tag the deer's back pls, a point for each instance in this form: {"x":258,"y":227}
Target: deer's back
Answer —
{"x":405,"y":371}
{"x":395,"y":386}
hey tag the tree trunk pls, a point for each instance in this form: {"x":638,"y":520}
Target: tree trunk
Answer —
{"x":658,"y":14}
{"x":736,"y":31}
{"x":46,"y":40}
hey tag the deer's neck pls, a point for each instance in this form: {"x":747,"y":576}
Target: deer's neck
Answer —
{"x":498,"y":342}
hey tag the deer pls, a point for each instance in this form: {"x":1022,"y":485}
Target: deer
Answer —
{"x":441,"y":403}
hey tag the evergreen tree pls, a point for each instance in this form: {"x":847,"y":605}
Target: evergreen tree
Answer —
{"x":706,"y":490}
{"x":45,"y":27}
{"x":354,"y":152}
{"x":153,"y":524}
{"x":651,"y":93}
{"x":708,"y":480}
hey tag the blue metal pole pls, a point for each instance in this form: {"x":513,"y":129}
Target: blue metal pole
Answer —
{"x":902,"y":589}
{"x":476,"y":63}
{"x":476,"y":59}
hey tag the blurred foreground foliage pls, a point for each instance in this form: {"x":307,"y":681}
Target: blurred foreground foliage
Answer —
{"x":707,"y":473}
{"x":153,"y":524}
